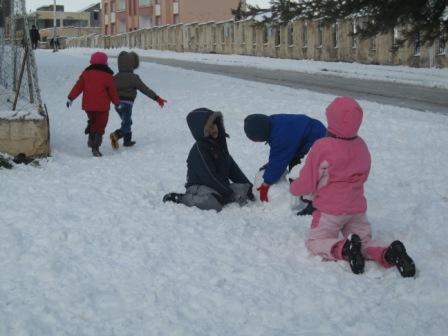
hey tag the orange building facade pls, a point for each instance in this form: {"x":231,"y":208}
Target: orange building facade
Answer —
{"x":121,"y":16}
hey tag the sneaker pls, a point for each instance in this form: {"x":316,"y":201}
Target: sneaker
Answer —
{"x":352,"y":251}
{"x":172,"y":197}
{"x":396,"y":255}
{"x":114,"y":140}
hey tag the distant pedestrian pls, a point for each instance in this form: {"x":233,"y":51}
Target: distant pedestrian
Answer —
{"x":34,"y":36}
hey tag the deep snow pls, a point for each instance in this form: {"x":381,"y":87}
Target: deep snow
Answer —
{"x":88,"y":248}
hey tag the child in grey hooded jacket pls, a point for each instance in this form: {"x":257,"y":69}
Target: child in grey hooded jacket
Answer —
{"x":127,"y":83}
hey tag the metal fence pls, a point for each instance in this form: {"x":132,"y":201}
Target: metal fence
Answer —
{"x":19,"y":85}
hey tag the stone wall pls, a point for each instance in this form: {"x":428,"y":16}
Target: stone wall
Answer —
{"x":297,"y":40}
{"x":30,"y":137}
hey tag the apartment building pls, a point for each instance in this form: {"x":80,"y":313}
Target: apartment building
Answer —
{"x":127,"y":15}
{"x":88,"y":17}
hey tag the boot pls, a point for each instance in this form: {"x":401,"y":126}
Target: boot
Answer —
{"x":127,"y":142}
{"x":396,"y":255}
{"x":172,"y":197}
{"x":87,"y":130}
{"x":114,"y":137}
{"x":352,"y":251}
{"x":90,"y":140}
{"x":97,"y":141}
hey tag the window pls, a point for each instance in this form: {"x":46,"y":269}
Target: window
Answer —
{"x":121,"y":5}
{"x":143,"y":3}
{"x":417,"y":45}
{"x":373,"y":44}
{"x":243,"y":33}
{"x":214,"y":34}
{"x":277,"y":36}
{"x":353,"y":34}
{"x":267,"y":31}
{"x":95,"y":16}
{"x":254,"y":35}
{"x":305,"y":34}
{"x":106,"y":7}
{"x":112,"y":6}
{"x":335,"y":35}
{"x":290,"y":34}
{"x":396,"y":38}
{"x":176,"y":19}
{"x":441,"y":45}
{"x":320,"y":35}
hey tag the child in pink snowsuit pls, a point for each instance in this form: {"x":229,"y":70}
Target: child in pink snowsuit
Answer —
{"x":333,"y":175}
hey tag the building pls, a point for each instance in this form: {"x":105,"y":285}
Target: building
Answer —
{"x":127,"y":15}
{"x":89,"y":17}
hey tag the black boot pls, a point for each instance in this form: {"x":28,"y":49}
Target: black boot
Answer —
{"x":90,"y":140}
{"x":352,"y":251}
{"x":396,"y":255}
{"x":97,"y":141}
{"x":114,"y":137}
{"x":87,"y":130}
{"x":127,"y":142}
{"x":172,"y":197}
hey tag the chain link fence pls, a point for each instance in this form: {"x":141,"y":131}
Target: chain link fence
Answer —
{"x":19,"y":85}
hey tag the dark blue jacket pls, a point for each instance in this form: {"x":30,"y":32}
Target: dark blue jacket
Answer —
{"x":209,"y":161}
{"x":291,"y":135}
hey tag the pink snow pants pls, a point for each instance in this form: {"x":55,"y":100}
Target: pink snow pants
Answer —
{"x":324,"y":238}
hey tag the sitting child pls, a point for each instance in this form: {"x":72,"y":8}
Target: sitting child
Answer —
{"x":211,"y":167}
{"x":334,"y":173}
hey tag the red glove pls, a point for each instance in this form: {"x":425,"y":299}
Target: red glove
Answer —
{"x":160,"y":101}
{"x":263,"y":189}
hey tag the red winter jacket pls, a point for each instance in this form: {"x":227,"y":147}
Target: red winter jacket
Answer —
{"x":98,"y":88}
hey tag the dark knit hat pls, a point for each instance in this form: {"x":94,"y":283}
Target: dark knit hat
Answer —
{"x":257,"y":127}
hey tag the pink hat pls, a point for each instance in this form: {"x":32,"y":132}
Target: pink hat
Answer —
{"x":98,"y":58}
{"x":344,"y":117}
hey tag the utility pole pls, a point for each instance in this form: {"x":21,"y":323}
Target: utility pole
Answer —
{"x":54,"y":27}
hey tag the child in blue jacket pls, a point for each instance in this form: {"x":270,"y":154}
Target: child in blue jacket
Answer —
{"x":290,"y":137}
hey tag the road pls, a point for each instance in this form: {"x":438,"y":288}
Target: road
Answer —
{"x":396,"y":94}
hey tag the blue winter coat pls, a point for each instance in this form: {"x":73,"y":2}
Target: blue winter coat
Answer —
{"x":291,"y":135}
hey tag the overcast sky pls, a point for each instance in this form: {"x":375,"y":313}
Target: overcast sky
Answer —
{"x":75,"y":5}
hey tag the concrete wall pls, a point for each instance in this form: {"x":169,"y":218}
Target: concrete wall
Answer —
{"x":30,"y":137}
{"x":296,"y":40}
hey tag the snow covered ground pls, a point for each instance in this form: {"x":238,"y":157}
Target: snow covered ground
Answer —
{"x":429,"y":77}
{"x":88,"y":248}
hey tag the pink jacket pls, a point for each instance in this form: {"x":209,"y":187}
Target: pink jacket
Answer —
{"x":337,"y":166}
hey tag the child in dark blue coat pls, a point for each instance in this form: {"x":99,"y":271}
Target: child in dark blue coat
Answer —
{"x":290,"y":137}
{"x":211,"y":167}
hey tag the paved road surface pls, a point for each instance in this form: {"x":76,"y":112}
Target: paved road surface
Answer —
{"x":403,"y":95}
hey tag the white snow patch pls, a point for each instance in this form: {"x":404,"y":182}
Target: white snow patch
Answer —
{"x":88,"y":248}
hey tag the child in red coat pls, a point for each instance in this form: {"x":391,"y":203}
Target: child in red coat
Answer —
{"x":98,"y":88}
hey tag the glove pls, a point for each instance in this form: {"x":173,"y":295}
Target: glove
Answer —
{"x":309,"y":209}
{"x":69,"y":103}
{"x":250,"y":195}
{"x":263,"y":189}
{"x":160,"y":101}
{"x":118,"y":107}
